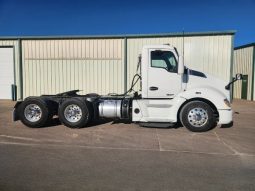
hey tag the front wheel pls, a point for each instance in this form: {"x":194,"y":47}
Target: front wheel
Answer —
{"x":74,"y":113}
{"x":197,"y":116}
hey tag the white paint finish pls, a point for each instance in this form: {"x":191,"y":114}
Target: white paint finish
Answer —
{"x":210,"y":81}
{"x":6,"y":72}
{"x":144,"y":73}
{"x":213,"y":91}
{"x":225,"y":116}
{"x":168,"y":83}
{"x":157,"y":110}
{"x":166,"y":110}
{"x":209,"y":93}
{"x":205,"y":87}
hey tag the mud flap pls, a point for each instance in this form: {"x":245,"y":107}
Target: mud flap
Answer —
{"x":15,"y":115}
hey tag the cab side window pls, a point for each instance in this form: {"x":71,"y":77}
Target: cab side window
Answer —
{"x":164,"y":59}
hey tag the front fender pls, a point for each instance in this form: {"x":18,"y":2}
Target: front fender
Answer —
{"x":208,"y":93}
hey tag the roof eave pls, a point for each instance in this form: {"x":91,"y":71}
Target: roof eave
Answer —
{"x":178,"y":34}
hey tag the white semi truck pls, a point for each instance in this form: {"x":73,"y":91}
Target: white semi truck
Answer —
{"x":169,"y":93}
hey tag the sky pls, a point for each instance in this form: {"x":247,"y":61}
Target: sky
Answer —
{"x":116,"y":17}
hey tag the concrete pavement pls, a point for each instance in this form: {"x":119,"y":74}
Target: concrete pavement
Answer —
{"x":118,"y":156}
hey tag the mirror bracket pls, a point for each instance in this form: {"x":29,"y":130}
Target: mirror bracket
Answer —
{"x":238,"y":76}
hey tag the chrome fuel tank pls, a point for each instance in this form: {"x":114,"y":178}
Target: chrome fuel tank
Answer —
{"x":110,"y":108}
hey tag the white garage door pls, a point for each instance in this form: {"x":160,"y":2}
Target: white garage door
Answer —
{"x":6,"y":72}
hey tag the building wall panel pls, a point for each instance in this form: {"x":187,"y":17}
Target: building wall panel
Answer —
{"x":54,"y":66}
{"x":243,"y":61}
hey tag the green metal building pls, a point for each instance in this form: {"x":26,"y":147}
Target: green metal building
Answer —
{"x":244,"y":62}
{"x":31,"y":66}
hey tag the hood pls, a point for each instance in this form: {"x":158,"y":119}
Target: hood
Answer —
{"x":196,"y":79}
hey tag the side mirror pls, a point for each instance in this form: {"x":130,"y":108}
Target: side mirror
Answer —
{"x":239,"y":76}
{"x":180,"y":65}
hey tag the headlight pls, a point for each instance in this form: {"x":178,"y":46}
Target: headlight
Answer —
{"x":227,"y":102}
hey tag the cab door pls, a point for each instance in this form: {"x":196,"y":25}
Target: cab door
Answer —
{"x":163,"y":80}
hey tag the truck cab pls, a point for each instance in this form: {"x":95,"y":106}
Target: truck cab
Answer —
{"x":169,"y":93}
{"x":172,"y":92}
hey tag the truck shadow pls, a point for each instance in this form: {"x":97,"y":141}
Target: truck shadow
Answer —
{"x":55,"y":122}
{"x":148,"y":125}
{"x":95,"y":123}
{"x":172,"y":126}
{"x":52,"y":123}
{"x":226,"y":126}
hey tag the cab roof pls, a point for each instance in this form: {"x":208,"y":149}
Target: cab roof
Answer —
{"x":159,"y":46}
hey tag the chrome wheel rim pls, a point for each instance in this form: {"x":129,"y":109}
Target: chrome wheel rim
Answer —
{"x":197,"y":117}
{"x":73,"y":113}
{"x":33,"y":113}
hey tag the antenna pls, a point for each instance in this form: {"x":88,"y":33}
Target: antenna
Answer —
{"x":183,"y":45}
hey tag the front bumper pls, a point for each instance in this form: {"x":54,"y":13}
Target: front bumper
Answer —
{"x":225,"y":116}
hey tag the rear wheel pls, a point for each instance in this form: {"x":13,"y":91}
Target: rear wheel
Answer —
{"x":74,"y":113}
{"x":197,"y":116}
{"x":34,"y":112}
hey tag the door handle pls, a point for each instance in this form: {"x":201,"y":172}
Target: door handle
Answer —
{"x":153,"y":88}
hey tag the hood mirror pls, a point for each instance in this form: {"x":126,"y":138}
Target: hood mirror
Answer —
{"x":239,"y":76}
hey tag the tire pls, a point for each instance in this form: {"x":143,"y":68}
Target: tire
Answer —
{"x":197,"y":116}
{"x":34,"y":112}
{"x":74,"y":113}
